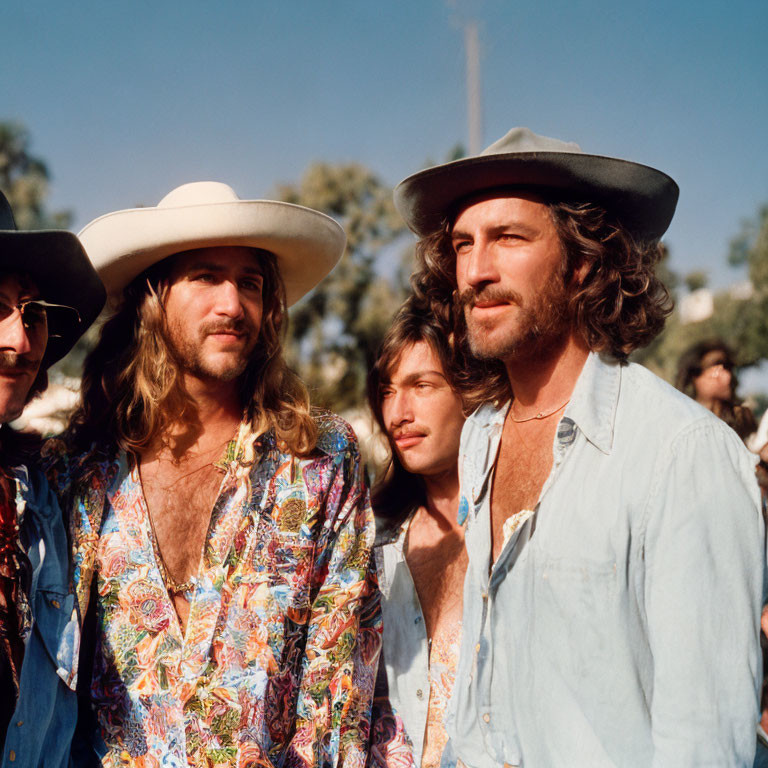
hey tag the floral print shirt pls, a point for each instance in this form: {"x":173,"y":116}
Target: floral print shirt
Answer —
{"x":278,"y":661}
{"x":443,"y":660}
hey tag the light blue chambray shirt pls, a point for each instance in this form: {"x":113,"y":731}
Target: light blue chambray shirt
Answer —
{"x":405,"y":653}
{"x":405,"y":648}
{"x":624,"y":630}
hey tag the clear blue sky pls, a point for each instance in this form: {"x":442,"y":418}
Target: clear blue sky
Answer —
{"x":127,"y":100}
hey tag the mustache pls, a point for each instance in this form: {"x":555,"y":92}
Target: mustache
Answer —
{"x":467,"y":298}
{"x":217,"y":326}
{"x":12,"y":361}
{"x":408,"y":432}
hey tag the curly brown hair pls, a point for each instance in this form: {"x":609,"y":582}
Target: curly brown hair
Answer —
{"x":619,"y":306}
{"x":132,"y":387}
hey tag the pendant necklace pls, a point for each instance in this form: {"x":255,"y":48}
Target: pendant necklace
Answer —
{"x":540,"y":415}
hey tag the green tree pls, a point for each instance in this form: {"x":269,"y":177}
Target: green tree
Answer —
{"x":24,"y":180}
{"x":335,"y":330}
{"x":696,"y":280}
{"x":750,"y":248}
{"x":739,"y":318}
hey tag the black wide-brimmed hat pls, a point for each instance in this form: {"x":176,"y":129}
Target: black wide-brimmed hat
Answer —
{"x":642,"y":198}
{"x":57,"y":263}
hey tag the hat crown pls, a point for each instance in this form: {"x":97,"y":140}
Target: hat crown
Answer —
{"x":525,"y":140}
{"x":199,"y":193}
{"x":7,"y":222}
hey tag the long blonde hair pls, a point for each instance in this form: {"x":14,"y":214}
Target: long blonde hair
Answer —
{"x":133,"y":390}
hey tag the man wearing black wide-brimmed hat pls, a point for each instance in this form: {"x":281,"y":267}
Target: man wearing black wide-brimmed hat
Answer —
{"x":614,"y":532}
{"x":49,"y":295}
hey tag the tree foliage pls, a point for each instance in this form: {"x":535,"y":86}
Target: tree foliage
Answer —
{"x":696,"y":280}
{"x":740,"y":317}
{"x":24,"y":180}
{"x":336,"y":328}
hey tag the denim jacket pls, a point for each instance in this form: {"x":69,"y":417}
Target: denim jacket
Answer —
{"x":42,"y":726}
{"x":620,"y":625}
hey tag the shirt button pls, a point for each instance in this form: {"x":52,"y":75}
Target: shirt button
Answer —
{"x":484,"y":595}
{"x":487,"y":718}
{"x":55,"y":603}
{"x":419,"y":694}
{"x":477,"y":648}
{"x":20,"y":723}
{"x":12,"y":756}
{"x":417,"y":620}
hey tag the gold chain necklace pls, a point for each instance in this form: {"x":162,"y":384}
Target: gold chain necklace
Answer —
{"x":173,"y":586}
{"x":540,"y":415}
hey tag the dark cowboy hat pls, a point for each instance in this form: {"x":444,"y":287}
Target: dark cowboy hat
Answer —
{"x":57,"y":263}
{"x":642,"y":198}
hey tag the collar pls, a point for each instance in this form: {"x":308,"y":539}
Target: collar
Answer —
{"x":389,"y":532}
{"x":595,"y":399}
{"x":592,"y":408}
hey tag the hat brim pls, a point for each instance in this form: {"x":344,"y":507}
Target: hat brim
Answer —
{"x":642,"y":198}
{"x":57,"y":263}
{"x":306,"y":243}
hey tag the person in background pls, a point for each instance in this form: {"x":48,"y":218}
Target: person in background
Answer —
{"x":49,"y":295}
{"x":419,"y":391}
{"x":706,"y":373}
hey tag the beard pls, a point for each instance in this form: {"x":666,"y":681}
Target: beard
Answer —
{"x":539,"y":325}
{"x":189,"y":353}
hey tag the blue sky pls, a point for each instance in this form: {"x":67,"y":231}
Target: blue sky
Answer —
{"x":127,"y":100}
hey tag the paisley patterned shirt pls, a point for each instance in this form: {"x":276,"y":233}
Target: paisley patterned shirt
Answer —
{"x":278,"y":660}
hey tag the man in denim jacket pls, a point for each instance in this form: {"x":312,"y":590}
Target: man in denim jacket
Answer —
{"x":613,"y":593}
{"x":49,"y":295}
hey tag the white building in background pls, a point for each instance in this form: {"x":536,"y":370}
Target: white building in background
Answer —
{"x":697,"y":306}
{"x":700,"y":304}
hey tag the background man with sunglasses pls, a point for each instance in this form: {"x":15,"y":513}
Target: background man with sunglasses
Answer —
{"x":49,"y":295}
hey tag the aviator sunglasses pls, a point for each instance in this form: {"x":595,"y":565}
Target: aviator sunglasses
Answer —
{"x":36,"y":314}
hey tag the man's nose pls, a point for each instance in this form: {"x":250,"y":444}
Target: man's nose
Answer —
{"x":480,"y":266}
{"x":228,"y":299}
{"x":401,"y":411}
{"x":14,"y":336}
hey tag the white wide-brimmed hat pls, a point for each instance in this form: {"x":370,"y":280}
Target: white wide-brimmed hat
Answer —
{"x":121,"y":245}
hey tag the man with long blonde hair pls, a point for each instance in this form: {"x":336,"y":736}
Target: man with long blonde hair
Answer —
{"x":222,"y":532}
{"x":614,"y":535}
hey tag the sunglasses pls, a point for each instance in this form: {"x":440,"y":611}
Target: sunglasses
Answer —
{"x":724,"y":364}
{"x":37,"y":314}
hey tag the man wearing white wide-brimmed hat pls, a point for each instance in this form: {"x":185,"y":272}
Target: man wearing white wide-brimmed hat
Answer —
{"x":222,"y":531}
{"x":613,"y":594}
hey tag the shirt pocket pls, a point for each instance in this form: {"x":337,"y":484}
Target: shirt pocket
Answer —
{"x":57,"y":627}
{"x":574,"y":612}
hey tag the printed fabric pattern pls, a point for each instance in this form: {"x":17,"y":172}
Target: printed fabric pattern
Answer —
{"x":278,"y":661}
{"x":443,"y":662}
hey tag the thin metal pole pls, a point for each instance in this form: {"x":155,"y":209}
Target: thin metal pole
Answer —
{"x":474,"y":94}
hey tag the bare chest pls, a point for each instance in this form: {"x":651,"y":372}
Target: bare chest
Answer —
{"x":523,"y":465}
{"x":179,"y":500}
{"x":438,"y":566}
